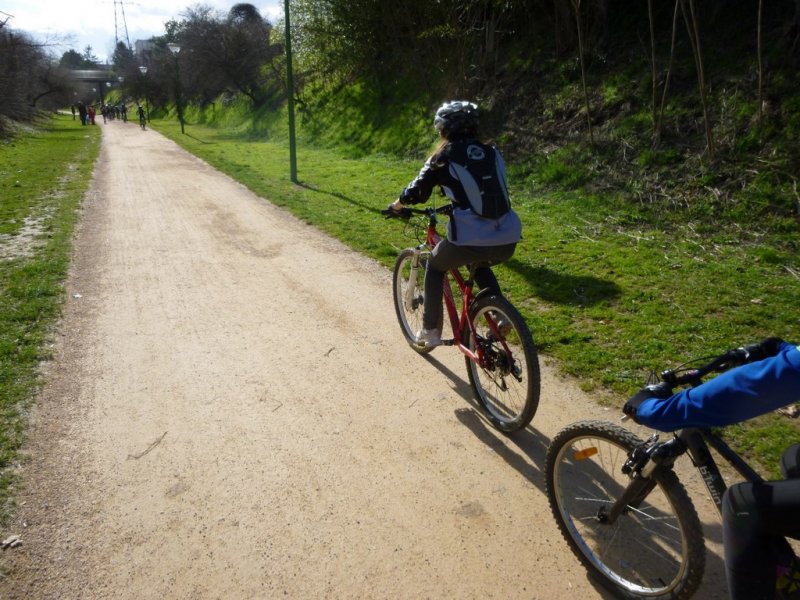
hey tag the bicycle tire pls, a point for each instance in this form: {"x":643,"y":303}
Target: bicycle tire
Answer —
{"x":409,"y":312}
{"x":654,"y":550}
{"x":508,"y":393}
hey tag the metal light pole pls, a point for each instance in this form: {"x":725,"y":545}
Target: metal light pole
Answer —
{"x":290,"y":103}
{"x":143,"y":71}
{"x":175,"y":49}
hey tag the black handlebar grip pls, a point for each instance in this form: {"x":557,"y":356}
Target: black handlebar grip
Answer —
{"x":763,"y":349}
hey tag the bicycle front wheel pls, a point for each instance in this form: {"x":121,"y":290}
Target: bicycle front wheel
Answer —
{"x":408,"y":285}
{"x":507,"y":384}
{"x":655,"y":548}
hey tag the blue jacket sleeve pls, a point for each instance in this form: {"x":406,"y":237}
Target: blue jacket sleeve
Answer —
{"x":734,"y":396}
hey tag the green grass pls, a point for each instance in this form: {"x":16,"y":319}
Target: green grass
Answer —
{"x":44,"y":174}
{"x":609,"y":291}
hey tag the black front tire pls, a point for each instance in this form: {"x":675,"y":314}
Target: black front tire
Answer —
{"x":653,"y":550}
{"x":408,"y":285}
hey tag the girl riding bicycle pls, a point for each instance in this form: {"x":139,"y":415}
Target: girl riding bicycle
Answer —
{"x":483,"y":228}
{"x":756,"y":516}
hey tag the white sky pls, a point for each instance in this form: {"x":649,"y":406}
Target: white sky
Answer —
{"x":75,"y":24}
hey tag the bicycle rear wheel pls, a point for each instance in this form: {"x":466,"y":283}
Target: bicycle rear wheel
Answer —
{"x":654,"y":549}
{"x":408,"y":285}
{"x":507,"y":385}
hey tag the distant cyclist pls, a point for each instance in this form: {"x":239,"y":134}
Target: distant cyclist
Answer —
{"x":755,"y":516}
{"x":483,"y":228}
{"x":142,"y":117}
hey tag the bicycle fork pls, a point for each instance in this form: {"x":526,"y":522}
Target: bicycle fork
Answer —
{"x":641,"y":466}
{"x":411,"y":298}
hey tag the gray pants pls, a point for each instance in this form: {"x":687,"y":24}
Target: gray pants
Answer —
{"x":446,"y":256}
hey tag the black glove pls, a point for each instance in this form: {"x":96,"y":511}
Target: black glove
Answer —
{"x":760,"y":351}
{"x":389,"y":212}
{"x":658,"y":390}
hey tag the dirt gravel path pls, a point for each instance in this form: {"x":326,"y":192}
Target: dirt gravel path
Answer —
{"x":232,"y":413}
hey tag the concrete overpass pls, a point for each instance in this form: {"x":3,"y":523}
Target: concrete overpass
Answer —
{"x":97,"y":80}
{"x":102,"y":74}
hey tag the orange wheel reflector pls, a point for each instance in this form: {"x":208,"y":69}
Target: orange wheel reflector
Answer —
{"x":586,"y":453}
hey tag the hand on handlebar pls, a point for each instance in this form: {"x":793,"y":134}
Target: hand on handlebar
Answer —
{"x":396,"y":210}
{"x":659,"y":390}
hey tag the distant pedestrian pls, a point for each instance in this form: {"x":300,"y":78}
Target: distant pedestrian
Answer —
{"x":124,"y":110}
{"x":82,"y":112}
{"x":92,"y":113}
{"x":73,"y":111}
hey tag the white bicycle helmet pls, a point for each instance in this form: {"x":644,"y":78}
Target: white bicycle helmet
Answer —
{"x":457,"y":116}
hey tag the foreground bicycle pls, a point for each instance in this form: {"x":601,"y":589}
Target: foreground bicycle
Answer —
{"x":502,"y":362}
{"x":621,"y":507}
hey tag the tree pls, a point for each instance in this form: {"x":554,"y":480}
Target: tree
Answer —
{"x":89,"y":59}
{"x":71,"y":60}
{"x":123,"y":59}
{"x":29,"y":79}
{"x":247,"y":49}
{"x":222,"y":53}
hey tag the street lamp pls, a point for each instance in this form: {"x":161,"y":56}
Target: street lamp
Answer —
{"x":143,"y":71}
{"x":290,"y":98}
{"x":175,"y":49}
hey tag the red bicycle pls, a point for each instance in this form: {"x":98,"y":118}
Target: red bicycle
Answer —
{"x":502,"y":362}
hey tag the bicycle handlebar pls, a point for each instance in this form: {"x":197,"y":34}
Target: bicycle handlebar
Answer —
{"x":723,"y":362}
{"x":407,"y":212}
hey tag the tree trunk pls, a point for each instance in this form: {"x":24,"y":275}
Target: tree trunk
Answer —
{"x":657,"y":135}
{"x":577,"y":5}
{"x":653,"y":64}
{"x":760,"y":69}
{"x":561,"y":19}
{"x":694,"y":38}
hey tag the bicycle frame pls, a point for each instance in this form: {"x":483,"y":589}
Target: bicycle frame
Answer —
{"x":697,"y":441}
{"x":457,"y":320}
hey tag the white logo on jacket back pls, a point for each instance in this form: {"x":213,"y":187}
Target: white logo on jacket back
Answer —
{"x":475,"y":152}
